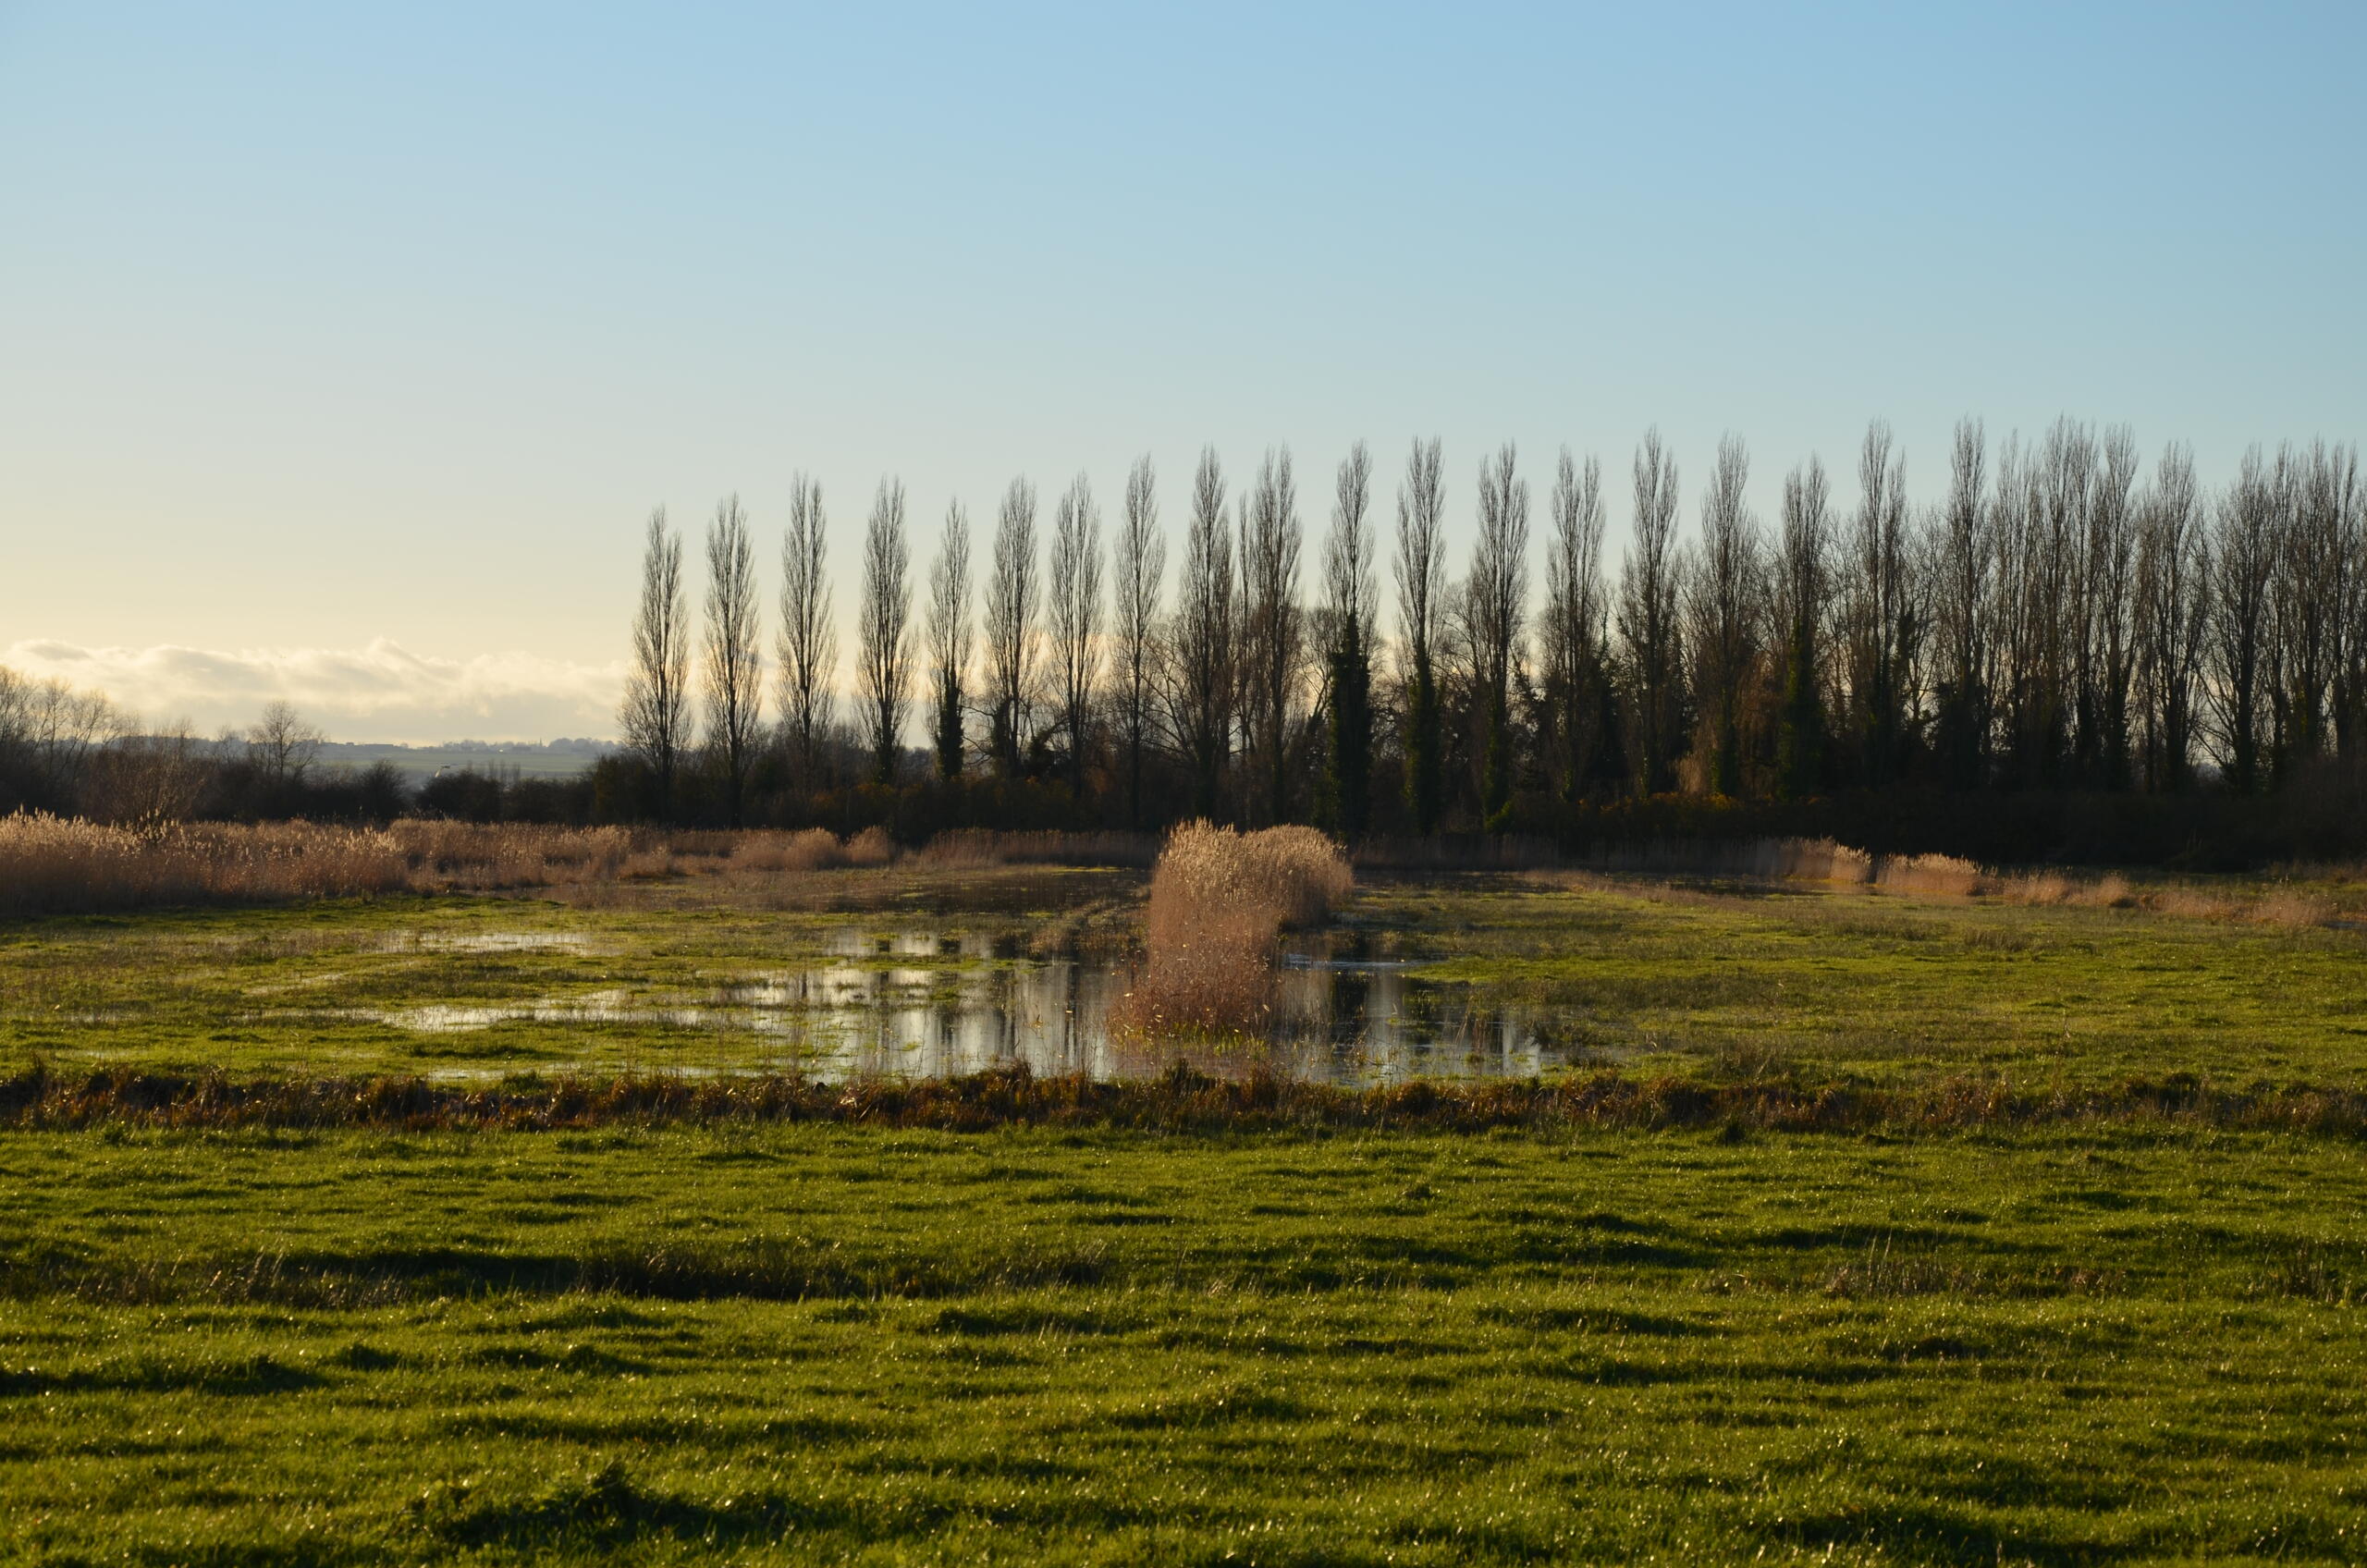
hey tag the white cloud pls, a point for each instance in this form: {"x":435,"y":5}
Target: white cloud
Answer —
{"x":379,"y":692}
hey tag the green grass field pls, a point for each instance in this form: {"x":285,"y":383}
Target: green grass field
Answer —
{"x":2129,"y":1340}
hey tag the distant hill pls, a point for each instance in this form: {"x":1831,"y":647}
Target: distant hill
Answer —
{"x":527,"y":759}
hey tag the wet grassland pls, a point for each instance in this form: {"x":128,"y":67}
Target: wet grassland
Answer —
{"x":2112,"y":1337}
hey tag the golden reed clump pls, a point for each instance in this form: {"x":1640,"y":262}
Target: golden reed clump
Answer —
{"x":1218,"y":901}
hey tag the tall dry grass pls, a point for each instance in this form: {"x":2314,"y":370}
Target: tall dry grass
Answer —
{"x":1219,"y":903}
{"x":57,"y":865}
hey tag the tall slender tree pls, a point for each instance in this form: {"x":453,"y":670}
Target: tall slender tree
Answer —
{"x":734,"y":666}
{"x":1722,"y":612}
{"x":2351,"y":599}
{"x":2111,"y":576}
{"x":1575,"y":630}
{"x":1421,"y":592}
{"x":2172,"y":594}
{"x":1350,"y":597}
{"x":2243,"y":575}
{"x":2307,"y":615}
{"x":1076,"y":619}
{"x":1880,"y":613}
{"x":1803,"y":582}
{"x":1496,"y":600}
{"x":1012,"y":610}
{"x":1963,"y":570}
{"x":657,"y":692}
{"x":1201,"y":694}
{"x":1648,"y":626}
{"x":949,"y":641}
{"x":1269,"y":561}
{"x":1141,"y":562}
{"x":809,"y":640}
{"x":886,"y":656}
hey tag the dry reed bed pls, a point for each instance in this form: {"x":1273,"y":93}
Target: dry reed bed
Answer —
{"x":51,"y":864}
{"x":1218,"y":904}
{"x":1943,"y":876}
{"x":1182,"y":1100}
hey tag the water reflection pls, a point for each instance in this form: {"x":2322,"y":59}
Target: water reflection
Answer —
{"x":1347,"y":1022}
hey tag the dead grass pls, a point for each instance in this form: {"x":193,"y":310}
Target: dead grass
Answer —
{"x":1218,"y":901}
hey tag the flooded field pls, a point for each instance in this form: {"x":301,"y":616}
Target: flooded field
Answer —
{"x":959,"y":1003}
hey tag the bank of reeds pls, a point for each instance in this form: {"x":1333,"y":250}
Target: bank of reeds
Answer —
{"x":1181,"y":1100}
{"x":1219,"y":903}
{"x":53,"y":865}
{"x":1822,"y":860}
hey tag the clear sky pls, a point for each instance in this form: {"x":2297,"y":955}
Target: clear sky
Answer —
{"x":344,"y":349}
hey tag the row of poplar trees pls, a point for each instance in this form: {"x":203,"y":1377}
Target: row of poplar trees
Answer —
{"x":2065,"y":616}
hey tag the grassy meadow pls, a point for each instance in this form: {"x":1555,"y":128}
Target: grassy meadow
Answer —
{"x":2108,"y":1338}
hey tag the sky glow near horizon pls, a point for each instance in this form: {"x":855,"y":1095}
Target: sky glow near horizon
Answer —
{"x":344,"y":350}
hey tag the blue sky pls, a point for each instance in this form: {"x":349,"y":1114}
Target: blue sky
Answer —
{"x":327,"y":329}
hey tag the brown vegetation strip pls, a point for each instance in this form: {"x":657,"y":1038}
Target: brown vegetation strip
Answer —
{"x":1182,"y":1100}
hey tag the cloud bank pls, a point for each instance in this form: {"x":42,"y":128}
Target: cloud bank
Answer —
{"x":382,"y":691}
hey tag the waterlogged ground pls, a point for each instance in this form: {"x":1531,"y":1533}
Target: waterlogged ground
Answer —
{"x":1443,"y":978}
{"x":821,"y":1344}
{"x":481,"y":987}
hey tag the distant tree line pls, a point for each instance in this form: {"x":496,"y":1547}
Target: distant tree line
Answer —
{"x":2063,"y":618}
{"x":74,"y":754}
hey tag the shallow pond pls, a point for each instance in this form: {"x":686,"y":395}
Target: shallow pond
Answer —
{"x":1346,"y":1021}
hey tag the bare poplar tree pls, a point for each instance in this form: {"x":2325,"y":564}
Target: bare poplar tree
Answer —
{"x":1351,"y":598}
{"x":1141,"y":561}
{"x":884,"y":654}
{"x":1010,"y":628}
{"x":948,"y":639}
{"x":2111,"y":576}
{"x":1076,"y":619}
{"x":809,"y":640}
{"x":657,"y":690}
{"x":1421,"y":590}
{"x":1497,"y":599}
{"x":2050,"y":586}
{"x":1574,"y":629}
{"x":2351,"y":664}
{"x":1648,"y":620}
{"x":1963,"y":570}
{"x":2243,"y":574}
{"x":2171,"y":597}
{"x":1270,"y":542}
{"x":1803,"y":584}
{"x":1879,"y":610}
{"x":1723,"y":611}
{"x":735,"y":676}
{"x":2307,"y":614}
{"x":1202,"y":673}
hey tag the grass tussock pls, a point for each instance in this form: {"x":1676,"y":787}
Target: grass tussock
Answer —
{"x":1219,"y":902}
